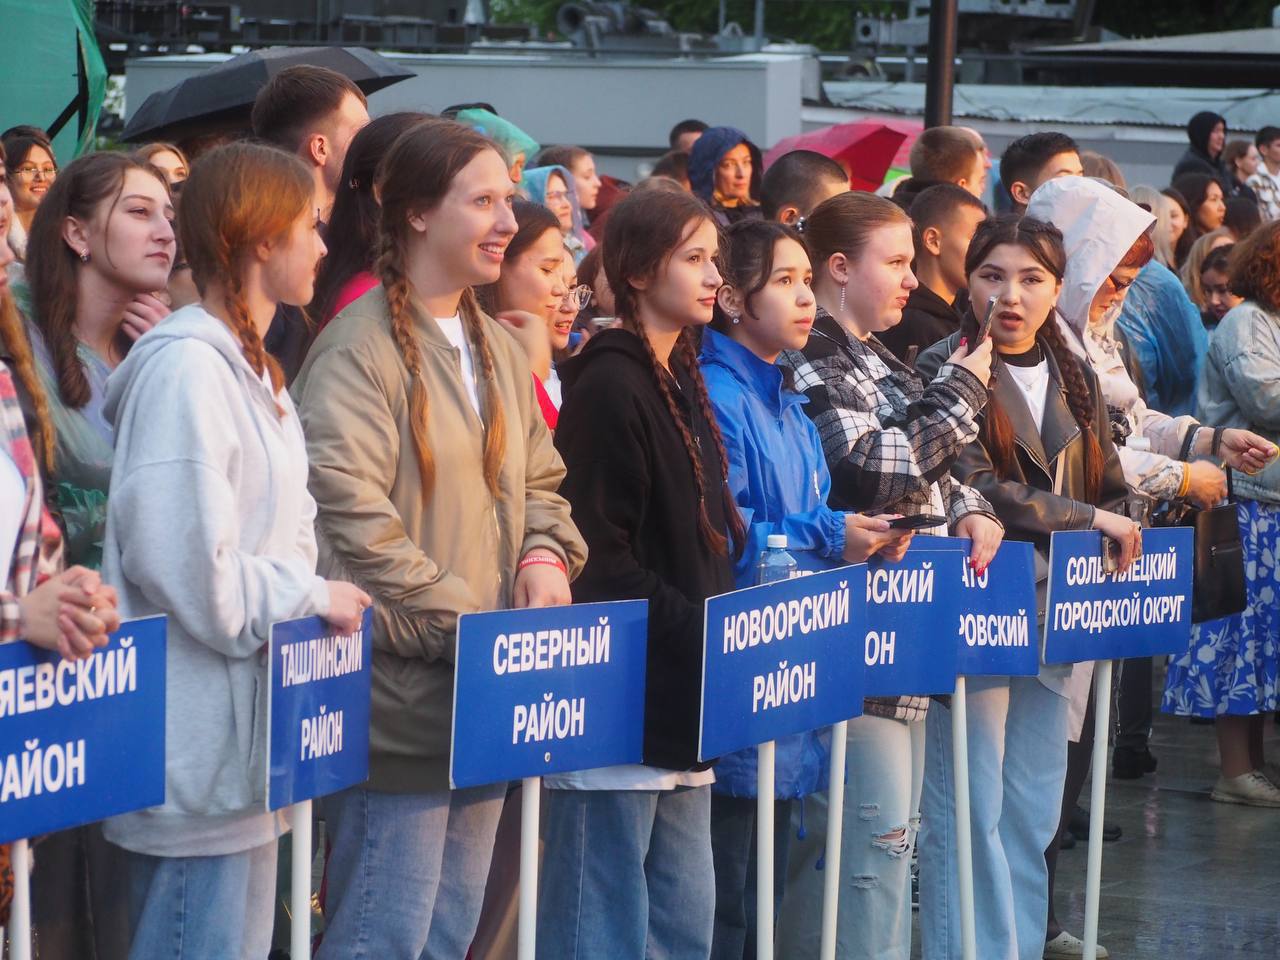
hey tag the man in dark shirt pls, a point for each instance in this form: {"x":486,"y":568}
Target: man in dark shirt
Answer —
{"x":945,"y":217}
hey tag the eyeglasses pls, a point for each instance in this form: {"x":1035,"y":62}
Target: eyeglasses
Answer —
{"x":579,"y":296}
{"x":557,"y":196}
{"x":1121,"y":286}
{"x":29,"y":171}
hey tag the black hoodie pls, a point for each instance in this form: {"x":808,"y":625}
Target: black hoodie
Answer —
{"x":1197,"y":158}
{"x":926,"y":319}
{"x":634,"y":499}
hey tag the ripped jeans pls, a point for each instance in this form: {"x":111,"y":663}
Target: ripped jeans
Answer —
{"x":885,"y":767}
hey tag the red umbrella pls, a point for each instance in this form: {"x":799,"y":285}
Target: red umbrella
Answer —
{"x":866,"y":148}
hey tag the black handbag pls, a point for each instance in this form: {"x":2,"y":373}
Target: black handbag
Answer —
{"x":1218,"y":588}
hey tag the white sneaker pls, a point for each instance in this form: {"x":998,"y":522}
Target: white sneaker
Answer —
{"x":1252,"y":789}
{"x":1271,"y":771}
{"x":1066,"y":947}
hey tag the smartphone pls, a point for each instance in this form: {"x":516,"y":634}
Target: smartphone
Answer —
{"x":922,"y":522}
{"x":984,"y":328}
{"x":1110,"y":554}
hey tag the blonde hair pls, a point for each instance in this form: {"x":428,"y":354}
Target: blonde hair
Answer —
{"x":1194,"y":263}
{"x":1162,"y":207}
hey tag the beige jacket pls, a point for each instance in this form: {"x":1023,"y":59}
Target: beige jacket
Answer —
{"x":424,"y":560}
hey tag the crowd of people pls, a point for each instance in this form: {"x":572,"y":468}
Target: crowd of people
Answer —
{"x":426,"y":365}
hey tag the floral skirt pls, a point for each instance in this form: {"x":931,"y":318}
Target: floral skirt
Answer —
{"x":1233,"y":664}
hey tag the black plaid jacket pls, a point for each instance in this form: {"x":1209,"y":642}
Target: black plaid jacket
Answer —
{"x":889,"y":439}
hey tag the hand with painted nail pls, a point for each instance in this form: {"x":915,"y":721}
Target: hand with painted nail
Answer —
{"x":986,"y":535}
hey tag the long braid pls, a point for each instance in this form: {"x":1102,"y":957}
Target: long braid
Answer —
{"x":242,"y":326}
{"x":1081,"y":402}
{"x":391,"y":270}
{"x":13,"y":339}
{"x":689,"y":353}
{"x":495,"y":440}
{"x":715,"y":539}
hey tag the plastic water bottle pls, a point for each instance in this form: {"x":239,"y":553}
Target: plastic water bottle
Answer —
{"x":775,"y":563}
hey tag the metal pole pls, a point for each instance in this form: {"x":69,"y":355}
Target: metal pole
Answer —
{"x":527,"y":931}
{"x":964,"y":838}
{"x":759,"y":27}
{"x":300,"y":892}
{"x":1097,"y":804}
{"x":940,"y":70}
{"x":20,"y":915}
{"x":764,"y":851}
{"x":835,"y":826}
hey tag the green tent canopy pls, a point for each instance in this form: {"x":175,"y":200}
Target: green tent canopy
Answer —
{"x":52,"y":74}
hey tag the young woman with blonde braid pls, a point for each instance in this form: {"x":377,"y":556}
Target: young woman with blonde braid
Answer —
{"x":436,"y":483}
{"x":210,"y":523}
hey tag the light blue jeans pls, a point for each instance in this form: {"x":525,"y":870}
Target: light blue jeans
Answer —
{"x":627,"y":875}
{"x":192,"y":908}
{"x":1017,"y":736}
{"x":885,"y":764}
{"x":407,"y":871}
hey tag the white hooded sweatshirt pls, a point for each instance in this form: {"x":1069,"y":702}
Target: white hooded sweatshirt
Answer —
{"x":209,"y":521}
{"x":1099,"y":226}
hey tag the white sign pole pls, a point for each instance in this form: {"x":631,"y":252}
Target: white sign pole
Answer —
{"x":20,"y":914}
{"x":964,"y":835}
{"x":530,"y":799}
{"x":764,"y":851}
{"x":835,"y":826}
{"x":300,"y":887}
{"x":1097,"y":804}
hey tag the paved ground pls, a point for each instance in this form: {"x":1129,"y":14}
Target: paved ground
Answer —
{"x":1190,"y":879}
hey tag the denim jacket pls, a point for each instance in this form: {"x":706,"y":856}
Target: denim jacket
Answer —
{"x":1240,"y":387}
{"x":779,"y":478}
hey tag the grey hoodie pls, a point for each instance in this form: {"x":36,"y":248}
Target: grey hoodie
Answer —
{"x":209,"y":521}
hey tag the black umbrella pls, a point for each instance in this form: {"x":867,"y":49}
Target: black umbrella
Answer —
{"x":221,"y":97}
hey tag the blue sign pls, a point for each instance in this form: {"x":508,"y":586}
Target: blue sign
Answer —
{"x":548,"y":690}
{"x":318,"y":714}
{"x":81,"y":740}
{"x":1095,"y":615}
{"x":907,"y":637}
{"x":998,"y":636}
{"x":780,"y":659}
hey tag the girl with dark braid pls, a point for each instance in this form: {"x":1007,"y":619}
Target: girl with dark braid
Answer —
{"x":628,"y":849}
{"x":436,"y":482}
{"x":1044,"y":460}
{"x":210,"y":523}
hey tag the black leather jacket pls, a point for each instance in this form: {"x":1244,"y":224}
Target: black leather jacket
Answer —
{"x":1025,"y":502}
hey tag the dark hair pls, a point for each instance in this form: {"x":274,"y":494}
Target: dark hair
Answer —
{"x":1265,"y":136}
{"x":533,"y":220}
{"x":673,"y":165}
{"x":935,"y":206}
{"x":1193,"y":188}
{"x":16,"y":350}
{"x":415,"y":177}
{"x":643,"y":232}
{"x":18,"y":142}
{"x":239,"y":195}
{"x":795,"y":180}
{"x":1101,"y":167}
{"x":1255,"y":266}
{"x":352,"y":235}
{"x":1044,"y":242}
{"x":1219,"y":259}
{"x":683,"y":127}
{"x":53,"y":267}
{"x":1243,"y":217}
{"x":1023,"y":158}
{"x":746,"y":260}
{"x":843,"y":223}
{"x":559,"y":155}
{"x":945,"y":154}
{"x":294,"y":100}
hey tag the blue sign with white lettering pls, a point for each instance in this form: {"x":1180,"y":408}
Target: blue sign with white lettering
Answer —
{"x":318,"y":715}
{"x":997,"y":634}
{"x":907,"y":637}
{"x":1096,"y":615}
{"x":779,"y":659}
{"x":548,"y":690}
{"x":81,"y":740}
